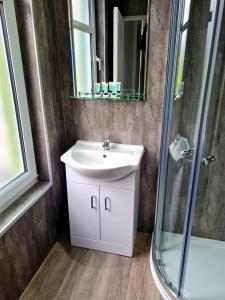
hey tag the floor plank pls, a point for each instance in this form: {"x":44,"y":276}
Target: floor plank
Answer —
{"x":76,"y":273}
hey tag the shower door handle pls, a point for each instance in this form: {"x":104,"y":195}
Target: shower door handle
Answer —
{"x":207,"y":160}
{"x":187,"y":153}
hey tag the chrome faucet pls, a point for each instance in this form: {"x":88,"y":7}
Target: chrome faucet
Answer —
{"x":106,"y":144}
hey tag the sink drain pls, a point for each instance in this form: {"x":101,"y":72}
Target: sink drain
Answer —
{"x":104,"y":155}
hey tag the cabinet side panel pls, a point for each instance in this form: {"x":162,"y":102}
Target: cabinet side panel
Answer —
{"x":136,"y":205}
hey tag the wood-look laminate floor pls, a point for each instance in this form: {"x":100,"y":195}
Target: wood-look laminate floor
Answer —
{"x":81,"y":274}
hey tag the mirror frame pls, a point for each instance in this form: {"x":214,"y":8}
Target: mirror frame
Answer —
{"x":72,"y":54}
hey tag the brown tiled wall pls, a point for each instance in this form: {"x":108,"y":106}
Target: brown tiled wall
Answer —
{"x":27,"y":242}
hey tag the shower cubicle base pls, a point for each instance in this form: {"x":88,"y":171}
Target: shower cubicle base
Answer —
{"x":164,"y":290}
{"x":205,"y":270}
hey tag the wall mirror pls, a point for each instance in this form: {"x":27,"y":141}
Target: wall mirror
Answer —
{"x":109,"y":41}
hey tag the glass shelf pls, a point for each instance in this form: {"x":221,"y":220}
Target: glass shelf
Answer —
{"x":125,"y":95}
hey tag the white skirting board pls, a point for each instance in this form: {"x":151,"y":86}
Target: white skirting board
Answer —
{"x":102,"y":246}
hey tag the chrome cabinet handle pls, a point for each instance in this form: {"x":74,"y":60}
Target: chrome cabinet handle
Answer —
{"x":92,"y":201}
{"x":107,"y":199}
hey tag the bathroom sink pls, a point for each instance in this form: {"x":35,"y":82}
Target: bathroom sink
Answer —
{"x":90,"y":159}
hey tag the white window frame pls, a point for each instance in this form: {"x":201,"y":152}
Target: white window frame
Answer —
{"x":90,"y":29}
{"x":14,"y":189}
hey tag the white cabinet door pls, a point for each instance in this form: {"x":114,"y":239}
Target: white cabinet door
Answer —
{"x":116,"y":206}
{"x":83,"y":200}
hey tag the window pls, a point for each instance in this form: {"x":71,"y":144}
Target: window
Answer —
{"x":179,"y":86}
{"x":84,"y":45}
{"x":17,"y":163}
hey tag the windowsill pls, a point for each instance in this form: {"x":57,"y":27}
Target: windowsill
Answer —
{"x":9,"y":216}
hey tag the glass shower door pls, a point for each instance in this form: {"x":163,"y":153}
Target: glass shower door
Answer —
{"x":205,"y":273}
{"x":180,"y":136}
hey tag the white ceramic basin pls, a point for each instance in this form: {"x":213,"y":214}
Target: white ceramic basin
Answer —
{"x":90,"y":159}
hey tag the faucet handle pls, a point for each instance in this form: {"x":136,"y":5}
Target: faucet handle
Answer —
{"x":106,"y":144}
{"x":107,"y":141}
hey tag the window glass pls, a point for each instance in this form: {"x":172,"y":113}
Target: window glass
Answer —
{"x":179,"y":89}
{"x":81,"y":11}
{"x":82,"y":45}
{"x":179,"y":85}
{"x":11,"y":155}
{"x":186,"y":11}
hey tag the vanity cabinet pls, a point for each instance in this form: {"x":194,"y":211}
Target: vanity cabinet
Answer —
{"x":103,"y":215}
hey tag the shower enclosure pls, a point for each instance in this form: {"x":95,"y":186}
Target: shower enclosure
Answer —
{"x":188,"y":249}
